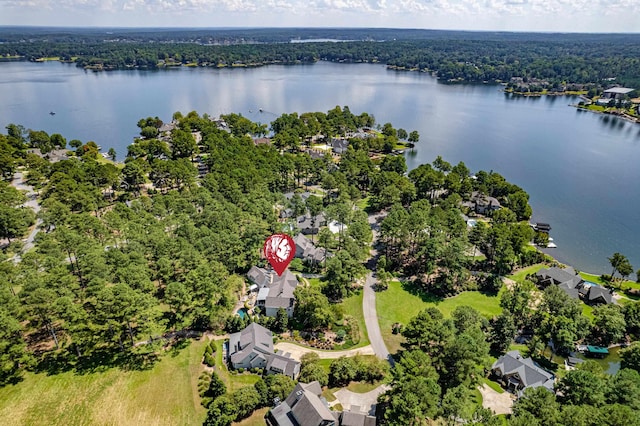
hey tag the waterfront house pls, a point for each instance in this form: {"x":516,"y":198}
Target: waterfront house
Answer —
{"x":253,"y":348}
{"x":482,"y":204}
{"x":596,"y":351}
{"x":566,"y":279}
{"x":596,"y":295}
{"x":571,"y":283}
{"x":516,"y":373}
{"x":542,"y":227}
{"x":617,"y":92}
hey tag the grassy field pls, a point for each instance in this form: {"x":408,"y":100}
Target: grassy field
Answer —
{"x":400,"y":302}
{"x":587,"y":311}
{"x":521,"y":274}
{"x":256,"y":419}
{"x":234,"y":381}
{"x":353,"y":306}
{"x":163,"y":395}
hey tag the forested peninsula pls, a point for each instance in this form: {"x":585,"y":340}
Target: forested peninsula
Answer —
{"x":141,"y":271}
{"x":573,"y":62}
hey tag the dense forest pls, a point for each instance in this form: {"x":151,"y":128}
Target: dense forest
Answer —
{"x":131,"y":255}
{"x":550,"y":60}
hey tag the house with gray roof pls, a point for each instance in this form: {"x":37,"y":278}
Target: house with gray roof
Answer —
{"x":259,"y":276}
{"x":596,"y":295}
{"x":339,"y":146}
{"x":253,"y":348}
{"x":305,"y":406}
{"x":356,"y":418}
{"x":307,"y":251}
{"x":517,"y":373}
{"x":566,"y":279}
{"x":308,"y":224}
{"x":482,"y":204}
{"x":274,"y":291}
{"x":574,"y":286}
{"x":250,"y":347}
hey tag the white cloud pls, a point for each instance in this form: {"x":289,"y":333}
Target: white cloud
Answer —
{"x":567,"y":15}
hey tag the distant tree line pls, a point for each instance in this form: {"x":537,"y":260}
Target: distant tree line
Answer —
{"x":452,"y":56}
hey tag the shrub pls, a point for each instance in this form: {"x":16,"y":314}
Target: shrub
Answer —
{"x":209,"y":360}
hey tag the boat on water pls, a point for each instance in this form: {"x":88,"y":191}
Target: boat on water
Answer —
{"x":552,"y":245}
{"x":52,"y":113}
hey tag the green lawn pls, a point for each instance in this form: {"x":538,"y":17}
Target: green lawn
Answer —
{"x":233,"y":381}
{"x":353,"y":306}
{"x":401,"y":302}
{"x":163,"y":395}
{"x":587,"y":310}
{"x":521,"y":274}
{"x":256,"y":419}
{"x":493,"y":385}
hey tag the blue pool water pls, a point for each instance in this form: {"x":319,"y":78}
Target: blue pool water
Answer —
{"x":243,"y":313}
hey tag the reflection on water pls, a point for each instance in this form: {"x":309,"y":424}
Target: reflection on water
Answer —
{"x":581,"y":170}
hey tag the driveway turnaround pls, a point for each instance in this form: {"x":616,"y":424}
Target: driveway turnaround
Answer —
{"x":365,"y":402}
{"x":499,"y":403}
{"x":297,"y":351}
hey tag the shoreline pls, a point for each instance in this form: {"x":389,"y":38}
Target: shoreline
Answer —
{"x":625,"y":117}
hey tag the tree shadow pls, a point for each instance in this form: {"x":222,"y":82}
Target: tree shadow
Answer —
{"x":416,"y":290}
{"x":178,"y":346}
{"x":99,"y":360}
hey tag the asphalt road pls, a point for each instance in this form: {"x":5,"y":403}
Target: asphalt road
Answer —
{"x":369,"y":298}
{"x":32,"y":202}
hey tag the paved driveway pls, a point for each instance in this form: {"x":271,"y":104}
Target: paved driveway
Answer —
{"x":499,"y":403}
{"x":20,"y":184}
{"x":297,"y":351}
{"x":366,"y":402}
{"x":371,"y":319}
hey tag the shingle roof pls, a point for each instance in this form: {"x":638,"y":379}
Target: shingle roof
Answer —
{"x":283,"y":364}
{"x":529,"y":373}
{"x":259,"y":276}
{"x":281,"y":414}
{"x":620,"y":90}
{"x":596,"y":291}
{"x":281,"y":290}
{"x":357,"y":419}
{"x":559,"y":275}
{"x":253,"y":339}
{"x":309,"y":410}
{"x":306,"y":250}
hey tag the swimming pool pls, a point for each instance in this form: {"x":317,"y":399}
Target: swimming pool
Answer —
{"x":590,"y":284}
{"x":242,"y":312}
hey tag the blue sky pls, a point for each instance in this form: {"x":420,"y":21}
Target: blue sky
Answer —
{"x":511,"y":15}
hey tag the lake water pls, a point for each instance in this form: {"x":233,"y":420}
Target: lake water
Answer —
{"x":582,"y":170}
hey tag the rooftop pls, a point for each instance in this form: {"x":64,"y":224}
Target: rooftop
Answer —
{"x":620,"y":90}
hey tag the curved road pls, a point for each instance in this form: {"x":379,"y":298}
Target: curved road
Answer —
{"x":32,"y":202}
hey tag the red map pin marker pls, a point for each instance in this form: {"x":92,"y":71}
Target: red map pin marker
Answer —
{"x":279,"y":249}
